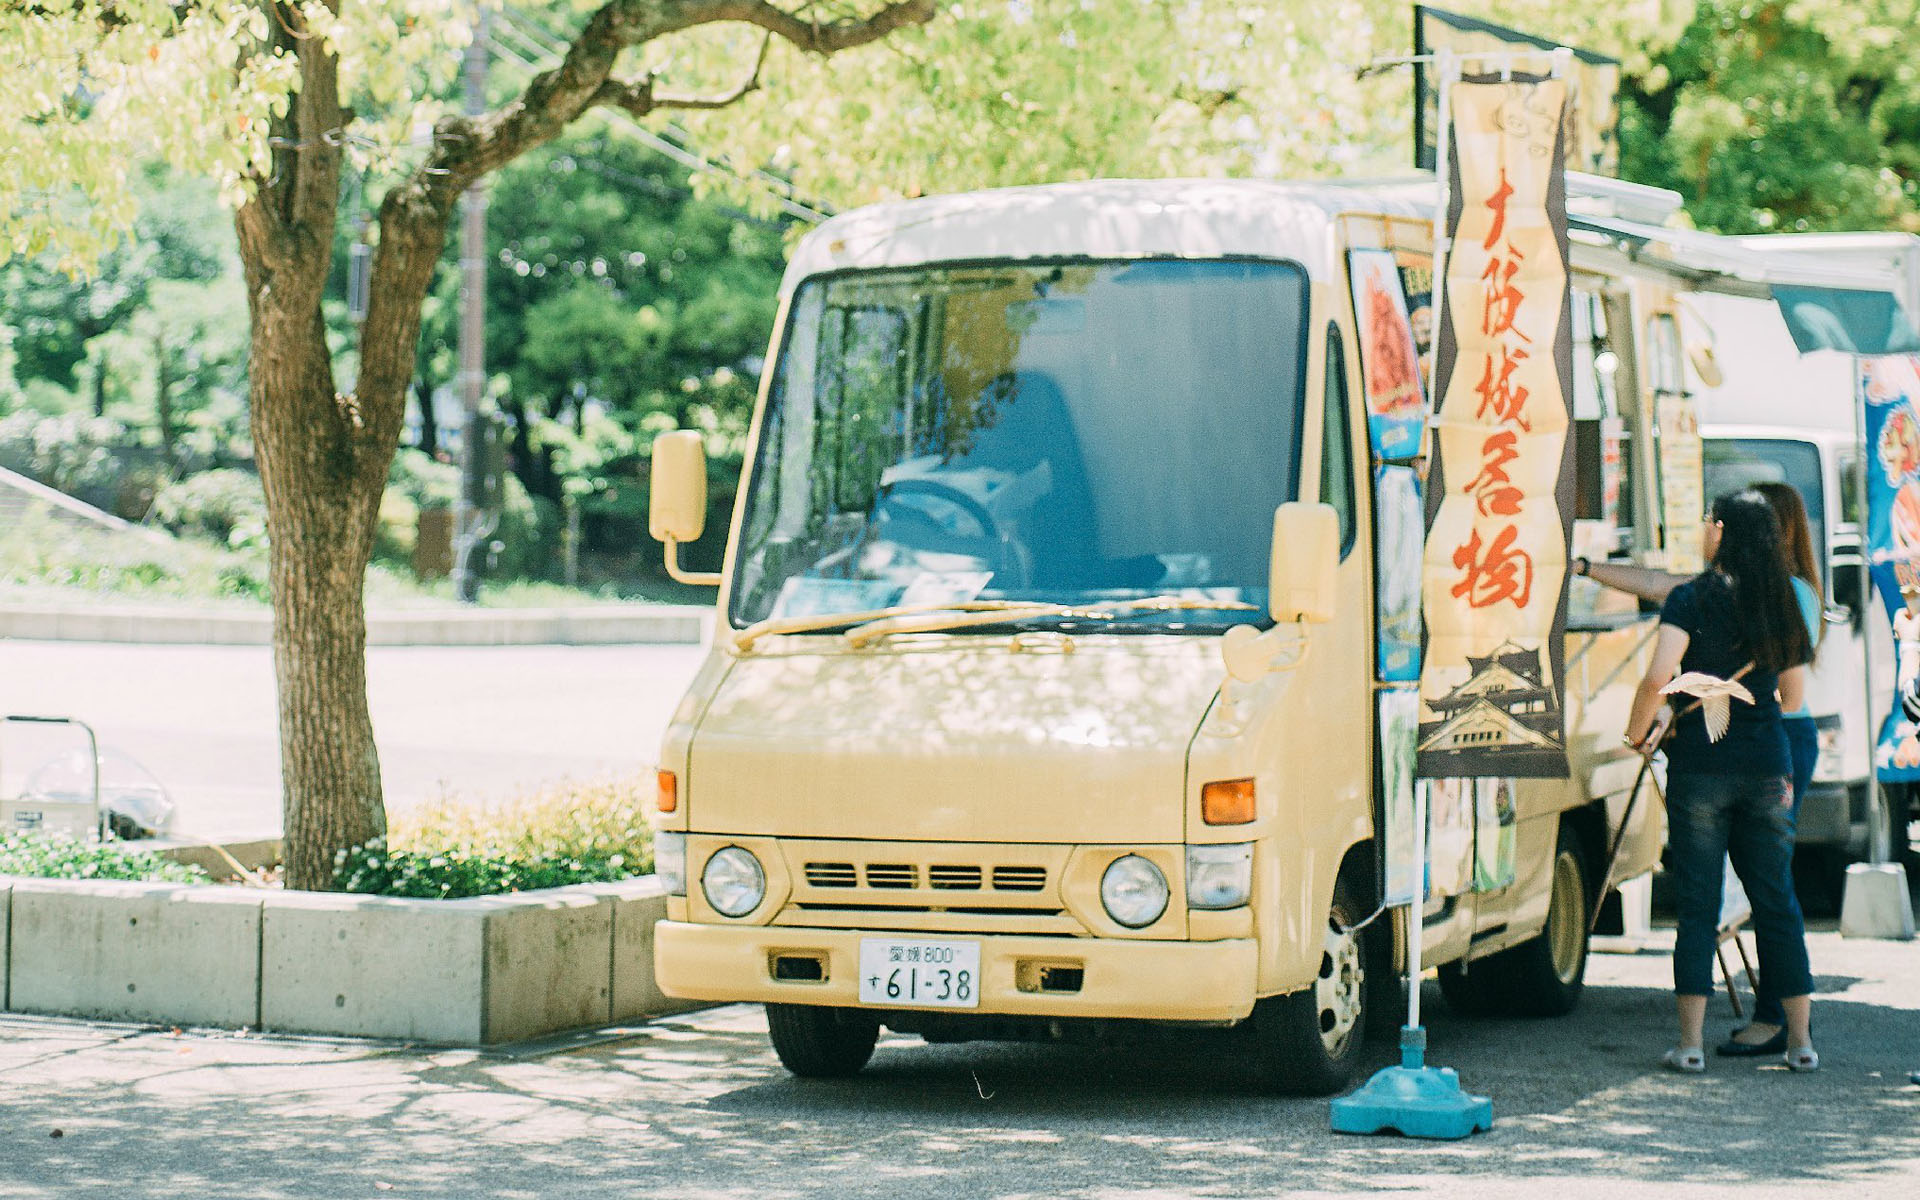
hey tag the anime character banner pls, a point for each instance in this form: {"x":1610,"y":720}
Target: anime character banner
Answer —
{"x":1451,"y":816}
{"x":1389,"y":357}
{"x":1500,"y":493}
{"x":1399,"y":717}
{"x":1399,"y":518}
{"x":1890,"y":388}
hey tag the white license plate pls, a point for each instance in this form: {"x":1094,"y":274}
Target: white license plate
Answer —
{"x":904,"y":973}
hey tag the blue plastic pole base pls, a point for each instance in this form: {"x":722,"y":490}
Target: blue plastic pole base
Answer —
{"x":1413,"y":1099}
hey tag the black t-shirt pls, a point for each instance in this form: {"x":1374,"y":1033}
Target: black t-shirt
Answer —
{"x":1755,"y":742}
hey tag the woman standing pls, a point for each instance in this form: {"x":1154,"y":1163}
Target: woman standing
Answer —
{"x":1729,"y":790}
{"x":1767,"y":1032}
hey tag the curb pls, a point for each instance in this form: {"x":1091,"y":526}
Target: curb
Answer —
{"x":473,"y":972}
{"x":602,"y":625}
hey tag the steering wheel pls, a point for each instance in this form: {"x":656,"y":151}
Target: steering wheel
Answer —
{"x":1002,"y":556}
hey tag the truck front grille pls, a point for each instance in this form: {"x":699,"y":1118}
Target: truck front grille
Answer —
{"x":928,"y":886}
{"x":893,"y":875}
{"x":831,"y":875}
{"x":1019,"y":879}
{"x":949,"y":878}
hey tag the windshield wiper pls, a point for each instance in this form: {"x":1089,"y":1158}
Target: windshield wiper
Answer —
{"x":930,"y":619}
{"x":819,"y":621}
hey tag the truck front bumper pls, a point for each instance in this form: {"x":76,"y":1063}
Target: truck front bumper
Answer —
{"x":1149,"y":980}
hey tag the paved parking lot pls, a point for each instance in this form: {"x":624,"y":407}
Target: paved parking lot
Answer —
{"x":479,"y":721}
{"x":696,"y":1108}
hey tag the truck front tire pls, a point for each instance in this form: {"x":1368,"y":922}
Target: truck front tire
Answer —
{"x":821,"y":1043}
{"x":1309,"y":1042}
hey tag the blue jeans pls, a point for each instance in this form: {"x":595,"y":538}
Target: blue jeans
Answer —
{"x":1750,"y":819}
{"x":1803,"y":742}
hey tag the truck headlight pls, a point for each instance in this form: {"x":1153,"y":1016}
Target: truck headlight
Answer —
{"x":734,"y":882}
{"x":1219,"y":876}
{"x":670,"y":861}
{"x":1134,"y":892}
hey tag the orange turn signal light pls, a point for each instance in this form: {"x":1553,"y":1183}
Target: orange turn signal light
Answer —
{"x":1227,"y":802}
{"x":668,"y":797}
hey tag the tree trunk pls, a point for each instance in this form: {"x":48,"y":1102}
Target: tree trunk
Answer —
{"x":163,"y":399}
{"x":100,"y":383}
{"x":322,"y":480}
{"x":429,"y":423}
{"x":324,"y":457}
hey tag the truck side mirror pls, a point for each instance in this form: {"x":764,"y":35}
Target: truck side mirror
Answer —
{"x":1306,"y":557}
{"x":677,"y":503}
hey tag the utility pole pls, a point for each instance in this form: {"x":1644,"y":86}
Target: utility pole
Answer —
{"x":472,"y":524}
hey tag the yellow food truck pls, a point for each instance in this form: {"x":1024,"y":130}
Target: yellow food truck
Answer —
{"x":1042,"y":698}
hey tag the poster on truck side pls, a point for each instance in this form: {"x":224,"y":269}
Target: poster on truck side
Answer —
{"x":1500,"y":490}
{"x":1389,"y":357}
{"x":1399,"y":519}
{"x":1890,"y":389}
{"x":1399,"y":714}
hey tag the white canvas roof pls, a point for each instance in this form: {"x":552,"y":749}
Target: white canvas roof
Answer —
{"x":1766,"y":380}
{"x":1108,"y":218}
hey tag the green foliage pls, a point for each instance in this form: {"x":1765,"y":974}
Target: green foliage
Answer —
{"x":1785,"y":116}
{"x":999,"y":93}
{"x":567,"y":833}
{"x":49,"y":856}
{"x":224,"y":505}
{"x":620,"y":304}
{"x":42,"y":558}
{"x":80,"y":455}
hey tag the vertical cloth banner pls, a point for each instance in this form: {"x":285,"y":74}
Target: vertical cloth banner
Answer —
{"x":1890,"y":388}
{"x":1500,"y":493}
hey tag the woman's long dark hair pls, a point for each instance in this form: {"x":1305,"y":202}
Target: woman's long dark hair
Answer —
{"x":1796,"y":532}
{"x":1753,"y":557}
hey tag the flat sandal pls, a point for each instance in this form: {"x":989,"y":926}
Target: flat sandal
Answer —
{"x":1802,"y":1058}
{"x":1689,"y":1060}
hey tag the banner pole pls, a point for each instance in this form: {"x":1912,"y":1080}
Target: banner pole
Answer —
{"x":1413,"y":1098}
{"x":1445,"y":69}
{"x":1416,"y":908}
{"x":1869,"y":609}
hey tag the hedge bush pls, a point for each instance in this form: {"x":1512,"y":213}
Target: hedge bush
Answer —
{"x":567,"y":833}
{"x":52,"y":856}
{"x":225,"y":505}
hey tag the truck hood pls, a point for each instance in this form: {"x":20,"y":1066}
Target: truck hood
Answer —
{"x":956,"y":739}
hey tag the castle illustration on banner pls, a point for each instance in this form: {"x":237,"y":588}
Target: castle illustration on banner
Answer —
{"x":1503,"y":720}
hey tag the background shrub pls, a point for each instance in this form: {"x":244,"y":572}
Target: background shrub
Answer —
{"x":50,"y":856}
{"x":566,"y":833}
{"x":225,"y":505}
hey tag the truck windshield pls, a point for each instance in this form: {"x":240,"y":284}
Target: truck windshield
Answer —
{"x":1069,"y":433}
{"x":1730,"y":464}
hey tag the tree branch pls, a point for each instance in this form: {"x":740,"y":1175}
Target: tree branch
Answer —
{"x":467,"y":149}
{"x":638,"y":97}
{"x":813,"y":36}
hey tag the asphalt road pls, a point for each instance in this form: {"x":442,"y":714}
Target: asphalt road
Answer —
{"x":696,"y":1108}
{"x":481,"y":722}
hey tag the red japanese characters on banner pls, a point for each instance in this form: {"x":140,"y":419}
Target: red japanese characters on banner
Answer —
{"x":1499,"y":487}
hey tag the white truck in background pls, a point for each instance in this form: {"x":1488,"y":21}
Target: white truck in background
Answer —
{"x":1768,"y":412}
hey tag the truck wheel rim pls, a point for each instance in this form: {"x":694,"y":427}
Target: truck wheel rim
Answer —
{"x":1338,"y":989}
{"x":1567,"y":918}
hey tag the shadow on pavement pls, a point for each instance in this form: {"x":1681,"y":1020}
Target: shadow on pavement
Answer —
{"x":696,"y":1108}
